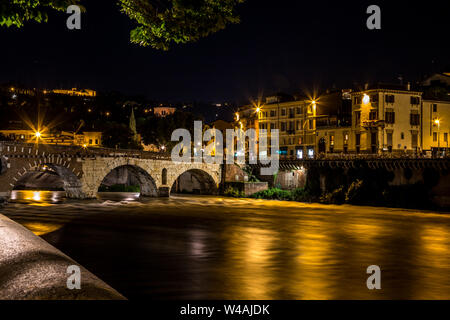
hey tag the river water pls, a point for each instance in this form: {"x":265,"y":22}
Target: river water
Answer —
{"x":205,"y":247}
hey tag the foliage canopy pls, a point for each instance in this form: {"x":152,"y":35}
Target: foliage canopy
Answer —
{"x":160,"y":23}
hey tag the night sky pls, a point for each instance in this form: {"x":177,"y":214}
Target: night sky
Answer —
{"x":280,"y":45}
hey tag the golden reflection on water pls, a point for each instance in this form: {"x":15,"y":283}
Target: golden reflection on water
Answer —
{"x":258,"y":249}
{"x":38,"y":199}
{"x":41,"y":228}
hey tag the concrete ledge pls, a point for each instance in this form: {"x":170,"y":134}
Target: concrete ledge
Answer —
{"x":32,"y":269}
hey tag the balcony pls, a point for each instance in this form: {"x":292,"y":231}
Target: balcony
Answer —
{"x":373,"y":123}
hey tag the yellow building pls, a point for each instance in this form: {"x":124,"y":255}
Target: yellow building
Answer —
{"x":85,"y":139}
{"x":436,"y":126}
{"x":386,"y":120}
{"x":74,"y":92}
{"x":298,"y":121}
{"x":163,"y":111}
{"x":383,"y":119}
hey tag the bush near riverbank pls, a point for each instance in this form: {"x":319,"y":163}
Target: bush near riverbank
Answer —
{"x":360,"y":186}
{"x":411,"y":196}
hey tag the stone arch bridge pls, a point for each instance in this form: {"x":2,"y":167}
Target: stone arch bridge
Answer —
{"x":83,"y":170}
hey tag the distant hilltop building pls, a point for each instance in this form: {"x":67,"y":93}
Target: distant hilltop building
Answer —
{"x":163,"y":111}
{"x":64,"y":138}
{"x":73,"y":92}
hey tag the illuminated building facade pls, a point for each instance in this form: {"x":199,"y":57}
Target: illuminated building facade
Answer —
{"x":163,"y":111}
{"x":73,"y":92}
{"x":384,"y":119}
{"x":436,"y":126}
{"x":85,"y":139}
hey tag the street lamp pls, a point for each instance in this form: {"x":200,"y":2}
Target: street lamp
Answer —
{"x":438,"y":123}
{"x":37,"y":134}
{"x":366,"y":99}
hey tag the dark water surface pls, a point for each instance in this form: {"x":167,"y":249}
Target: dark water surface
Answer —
{"x":201,"y":247}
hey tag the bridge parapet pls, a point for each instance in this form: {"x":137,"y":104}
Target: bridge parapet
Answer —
{"x":370,"y":162}
{"x":36,"y":150}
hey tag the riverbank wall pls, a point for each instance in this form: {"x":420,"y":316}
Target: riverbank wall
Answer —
{"x":32,"y":269}
{"x":426,"y":187}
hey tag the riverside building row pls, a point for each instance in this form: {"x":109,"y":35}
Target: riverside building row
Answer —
{"x":377,"y":120}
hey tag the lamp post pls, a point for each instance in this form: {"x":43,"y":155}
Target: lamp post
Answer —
{"x":438,"y":123}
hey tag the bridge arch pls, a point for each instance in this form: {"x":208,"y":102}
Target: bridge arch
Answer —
{"x":68,"y":180}
{"x":194,"y":180}
{"x":137,"y":174}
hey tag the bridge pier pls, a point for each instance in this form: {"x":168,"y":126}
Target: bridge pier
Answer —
{"x":164,"y":192}
{"x":5,"y":196}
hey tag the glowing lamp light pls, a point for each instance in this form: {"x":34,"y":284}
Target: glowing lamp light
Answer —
{"x":37,"y":134}
{"x":258,"y":109}
{"x":366,"y":99}
{"x":437,"y":121}
{"x":237,"y":116}
{"x":85,"y":145}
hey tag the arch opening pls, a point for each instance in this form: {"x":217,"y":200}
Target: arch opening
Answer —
{"x":194,"y":181}
{"x":48,"y":177}
{"x":129,"y":178}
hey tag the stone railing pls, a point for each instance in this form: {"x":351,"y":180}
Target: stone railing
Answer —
{"x":15,"y":148}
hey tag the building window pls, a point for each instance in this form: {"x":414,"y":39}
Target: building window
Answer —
{"x":357,"y":117}
{"x":291,"y":112}
{"x":291,"y":126}
{"x":390,"y":98}
{"x":331,"y":140}
{"x":373,"y":115}
{"x":414,"y":139}
{"x":90,"y":141}
{"x":96,"y":141}
{"x":402,"y":136}
{"x":434,"y":107}
{"x":389,"y":139}
{"x":283,"y":112}
{"x":415,"y":100}
{"x":445,"y":137}
{"x":358,"y":139}
{"x":272,"y":126}
{"x":311,"y":125}
{"x":374,"y":98}
{"x":283,"y":126}
{"x":434,"y":136}
{"x":414,"y":119}
{"x":299,"y":124}
{"x":299,"y":110}
{"x":390,"y":117}
{"x":273,"y":113}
